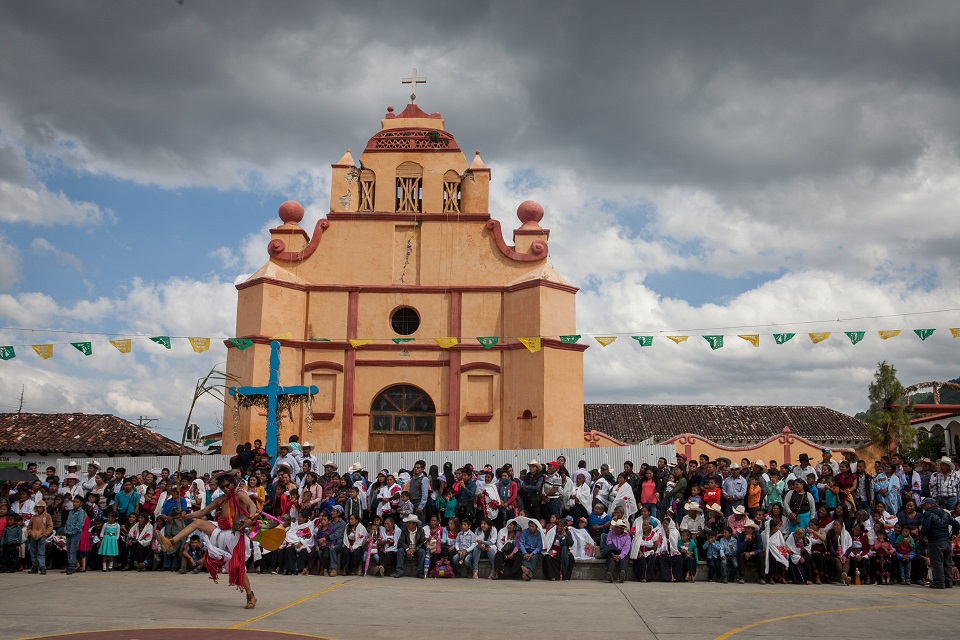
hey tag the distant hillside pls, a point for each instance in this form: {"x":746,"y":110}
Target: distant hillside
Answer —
{"x":947,"y":396}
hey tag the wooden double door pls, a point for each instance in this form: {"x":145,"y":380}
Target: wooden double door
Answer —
{"x":402,"y":418}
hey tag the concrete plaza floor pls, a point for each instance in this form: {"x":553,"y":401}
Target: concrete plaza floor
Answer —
{"x":364,"y":608}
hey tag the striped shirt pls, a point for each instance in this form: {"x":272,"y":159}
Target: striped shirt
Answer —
{"x":945,"y":487}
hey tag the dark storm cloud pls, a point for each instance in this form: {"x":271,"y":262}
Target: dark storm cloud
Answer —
{"x":719,"y":95}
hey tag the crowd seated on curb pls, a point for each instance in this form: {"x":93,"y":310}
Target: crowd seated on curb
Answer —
{"x":804,"y":523}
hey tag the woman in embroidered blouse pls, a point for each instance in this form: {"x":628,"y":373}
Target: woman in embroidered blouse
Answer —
{"x":139,"y":539}
{"x":354,"y":543}
{"x":507,"y":490}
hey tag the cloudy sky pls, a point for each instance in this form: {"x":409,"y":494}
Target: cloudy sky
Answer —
{"x":706,"y":168}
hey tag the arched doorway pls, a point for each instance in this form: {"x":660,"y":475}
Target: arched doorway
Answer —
{"x":402,"y":418}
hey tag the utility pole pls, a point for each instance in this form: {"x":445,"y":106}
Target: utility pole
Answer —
{"x":145,"y":422}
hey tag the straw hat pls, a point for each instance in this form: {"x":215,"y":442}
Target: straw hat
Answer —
{"x":620,"y":523}
{"x":734,"y":466}
{"x":716,"y":508}
{"x":356,"y":466}
{"x":330,"y":463}
{"x":534,"y":463}
{"x":411,"y":518}
{"x":691,"y":506}
{"x":306,"y":445}
{"x":750,"y":524}
{"x":71,"y":476}
{"x":739,"y":510}
{"x":947,"y":461}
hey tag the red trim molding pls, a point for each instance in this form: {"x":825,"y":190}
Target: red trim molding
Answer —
{"x":531,"y":232}
{"x":479,"y":417}
{"x":480,"y":366}
{"x":381,"y":216}
{"x":323,"y":364}
{"x":403,"y":363}
{"x":323,"y":415}
{"x":526,"y":284}
{"x":538,"y":248}
{"x":278,"y":248}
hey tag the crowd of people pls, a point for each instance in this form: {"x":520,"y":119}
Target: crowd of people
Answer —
{"x":804,"y":523}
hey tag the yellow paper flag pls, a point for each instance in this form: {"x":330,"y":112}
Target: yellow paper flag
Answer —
{"x":890,"y":333}
{"x":532,"y":344}
{"x":123,"y":346}
{"x":678,"y":339}
{"x":43,"y":350}
{"x":752,"y":338}
{"x":286,"y":335}
{"x":446,"y":343}
{"x":199,"y":344}
{"x":360,"y":342}
{"x":605,"y":340}
{"x":955,"y":332}
{"x":818,"y":337}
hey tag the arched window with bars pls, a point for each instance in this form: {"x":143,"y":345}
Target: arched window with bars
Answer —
{"x":409,"y":188}
{"x":451,"y":192}
{"x":368,"y":182}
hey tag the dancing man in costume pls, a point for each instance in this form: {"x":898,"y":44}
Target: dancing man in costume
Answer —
{"x":235,"y":511}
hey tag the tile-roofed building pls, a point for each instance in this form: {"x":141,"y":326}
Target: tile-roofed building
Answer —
{"x":80,"y":433}
{"x":723,"y":424}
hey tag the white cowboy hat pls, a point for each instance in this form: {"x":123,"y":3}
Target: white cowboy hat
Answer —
{"x":411,"y":518}
{"x":356,"y":466}
{"x":306,"y":445}
{"x":691,"y":506}
{"x":739,"y":510}
{"x":73,"y":463}
{"x":758,"y":463}
{"x":715,"y":507}
{"x":620,"y":523}
{"x":331,"y":463}
{"x":533,"y":463}
{"x":734,"y":466}
{"x":946,"y":460}
{"x":93,"y":463}
{"x":750,"y":524}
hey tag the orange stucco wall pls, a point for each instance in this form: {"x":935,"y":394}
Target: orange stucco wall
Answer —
{"x":464,"y":281}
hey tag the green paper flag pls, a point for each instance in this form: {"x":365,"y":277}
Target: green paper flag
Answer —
{"x":923,"y":334}
{"x":488,"y":342}
{"x":716,"y":342}
{"x":7,"y":353}
{"x":645,"y":341}
{"x":163,"y":341}
{"x":570,"y":339}
{"x":83,"y":347}
{"x":402,"y":340}
{"x":855,"y":336}
{"x":320,"y":339}
{"x":239,"y":343}
{"x":780,"y":338}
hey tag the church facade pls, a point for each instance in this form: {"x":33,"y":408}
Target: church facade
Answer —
{"x":405,"y":307}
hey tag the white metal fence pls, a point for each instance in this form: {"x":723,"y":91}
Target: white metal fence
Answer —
{"x":375,"y":460}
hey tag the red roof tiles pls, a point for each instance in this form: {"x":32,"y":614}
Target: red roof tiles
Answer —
{"x":80,"y":433}
{"x":720,"y":423}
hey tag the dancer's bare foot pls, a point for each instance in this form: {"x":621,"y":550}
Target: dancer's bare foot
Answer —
{"x":165,"y":542}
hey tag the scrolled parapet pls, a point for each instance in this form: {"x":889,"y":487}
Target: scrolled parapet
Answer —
{"x":538,"y":248}
{"x":278,"y":248}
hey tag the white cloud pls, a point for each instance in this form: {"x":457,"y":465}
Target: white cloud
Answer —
{"x":42,"y":245}
{"x":9,"y":263}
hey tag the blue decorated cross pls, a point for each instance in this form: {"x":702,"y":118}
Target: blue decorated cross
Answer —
{"x":273,"y":391}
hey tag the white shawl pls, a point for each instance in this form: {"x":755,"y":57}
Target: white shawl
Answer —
{"x":584,"y":496}
{"x":776,"y":548}
{"x":846,"y":540}
{"x":581,"y":543}
{"x":361,"y":537}
{"x":622,"y":496}
{"x":602,"y":490}
{"x":669,"y":540}
{"x":647,"y":545}
{"x":795,"y":550}
{"x":490,"y":498}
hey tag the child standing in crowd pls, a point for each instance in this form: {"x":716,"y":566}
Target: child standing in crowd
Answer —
{"x":714,"y":551}
{"x":728,"y":548}
{"x":905,"y":549}
{"x":406,"y":507}
{"x":690,"y":554}
{"x":10,"y":544}
{"x":712,"y":494}
{"x":109,"y":549}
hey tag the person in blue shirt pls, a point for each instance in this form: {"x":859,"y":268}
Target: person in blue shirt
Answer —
{"x":598,"y":523}
{"x":728,"y":551}
{"x":73,"y":529}
{"x":531,"y":546}
{"x":714,"y":551}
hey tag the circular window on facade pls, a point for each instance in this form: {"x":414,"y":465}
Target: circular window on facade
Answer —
{"x":405,"y":321}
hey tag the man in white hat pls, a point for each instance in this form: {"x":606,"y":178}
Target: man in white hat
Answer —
{"x":90,"y":481}
{"x":285,"y":457}
{"x":307,"y":455}
{"x":945,"y":484}
{"x":692,"y":520}
{"x":411,"y":547}
{"x":734,"y":489}
{"x":737,"y":519}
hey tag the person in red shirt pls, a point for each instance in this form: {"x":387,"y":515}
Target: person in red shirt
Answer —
{"x":711,"y":495}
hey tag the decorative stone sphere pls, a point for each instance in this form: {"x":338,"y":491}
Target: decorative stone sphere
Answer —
{"x":390,"y":109}
{"x":291,"y":212}
{"x":530,"y":212}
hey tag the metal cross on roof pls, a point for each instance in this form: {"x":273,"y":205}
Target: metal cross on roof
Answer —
{"x":414,"y":80}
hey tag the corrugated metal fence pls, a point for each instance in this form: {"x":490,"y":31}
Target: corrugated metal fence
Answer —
{"x":375,"y":460}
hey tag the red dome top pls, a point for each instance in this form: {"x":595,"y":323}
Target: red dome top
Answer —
{"x":291,"y":212}
{"x":530,"y":212}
